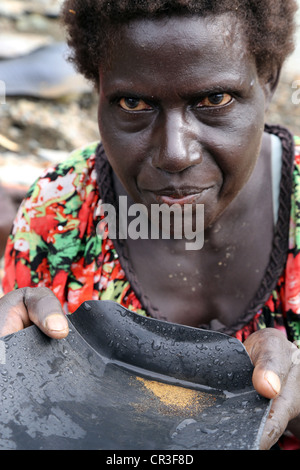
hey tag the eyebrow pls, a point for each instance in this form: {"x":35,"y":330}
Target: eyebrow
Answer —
{"x":235,"y":84}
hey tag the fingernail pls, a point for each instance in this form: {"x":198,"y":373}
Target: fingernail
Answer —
{"x":55,"y":323}
{"x":273,"y":380}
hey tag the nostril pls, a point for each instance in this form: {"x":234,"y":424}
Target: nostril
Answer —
{"x":178,"y":159}
{"x":177,"y":144}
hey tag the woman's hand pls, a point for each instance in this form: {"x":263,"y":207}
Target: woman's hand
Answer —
{"x":276,"y":376}
{"x":276,"y":360}
{"x":23,"y":307}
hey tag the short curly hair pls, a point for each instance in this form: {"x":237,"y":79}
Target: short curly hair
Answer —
{"x":92,"y":25}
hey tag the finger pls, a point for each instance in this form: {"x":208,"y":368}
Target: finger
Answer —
{"x":276,"y":423}
{"x":270,"y":353}
{"x":13,"y":313}
{"x":45,"y":312}
{"x":284,"y":409}
{"x":266,"y":383}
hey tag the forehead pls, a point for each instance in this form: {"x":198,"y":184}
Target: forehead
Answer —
{"x":179,"y":47}
{"x":192,"y":30}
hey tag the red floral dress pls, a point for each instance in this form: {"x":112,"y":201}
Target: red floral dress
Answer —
{"x":55,"y":243}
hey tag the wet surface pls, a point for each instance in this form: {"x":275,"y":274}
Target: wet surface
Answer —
{"x":65,"y":408}
{"x":121,"y":381}
{"x":40,"y":126}
{"x":68,"y":119}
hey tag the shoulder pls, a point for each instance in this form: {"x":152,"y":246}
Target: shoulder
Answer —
{"x":57,"y":207}
{"x":79,"y":161}
{"x":76,"y":174}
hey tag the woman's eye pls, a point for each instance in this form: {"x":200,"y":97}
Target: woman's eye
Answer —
{"x":133,"y":104}
{"x":215,"y":99}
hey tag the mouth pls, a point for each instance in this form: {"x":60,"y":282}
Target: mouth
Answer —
{"x":181,"y":196}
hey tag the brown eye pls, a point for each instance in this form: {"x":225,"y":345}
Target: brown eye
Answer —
{"x":216,"y":99}
{"x":134,"y":104}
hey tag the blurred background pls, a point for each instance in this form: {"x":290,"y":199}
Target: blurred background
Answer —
{"x":47,"y":109}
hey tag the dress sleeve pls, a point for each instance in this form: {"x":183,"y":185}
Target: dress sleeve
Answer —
{"x":53,"y":227}
{"x":43,"y":223}
{"x":291,"y":294}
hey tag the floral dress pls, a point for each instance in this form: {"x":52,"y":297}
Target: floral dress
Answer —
{"x":56,"y":242}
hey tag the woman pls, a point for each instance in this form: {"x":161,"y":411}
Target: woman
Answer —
{"x":183,"y":90}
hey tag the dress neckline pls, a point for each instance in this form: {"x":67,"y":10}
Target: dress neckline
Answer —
{"x":280,"y":239}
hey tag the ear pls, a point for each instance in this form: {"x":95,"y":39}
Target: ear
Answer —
{"x":270,"y":84}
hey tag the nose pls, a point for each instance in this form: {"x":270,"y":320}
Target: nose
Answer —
{"x":177,"y":144}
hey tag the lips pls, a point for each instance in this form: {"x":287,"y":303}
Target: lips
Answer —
{"x":181,"y":196}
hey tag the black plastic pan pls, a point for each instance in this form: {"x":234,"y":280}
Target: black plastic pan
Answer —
{"x":122,"y":381}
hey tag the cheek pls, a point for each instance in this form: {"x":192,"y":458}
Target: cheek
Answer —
{"x":126,"y":152}
{"x":120,"y":154}
{"x":243,"y":146}
{"x":250,"y":146}
{"x":107,"y":130}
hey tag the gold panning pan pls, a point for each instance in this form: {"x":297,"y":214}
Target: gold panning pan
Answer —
{"x":123,"y":381}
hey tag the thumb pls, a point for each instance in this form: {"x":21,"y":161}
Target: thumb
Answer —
{"x":271,"y":360}
{"x":266,"y":382}
{"x":45,"y":312}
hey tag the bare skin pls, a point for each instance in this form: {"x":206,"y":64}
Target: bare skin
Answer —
{"x":146,"y":138}
{"x":275,"y":375}
{"x":167,"y":144}
{"x":24,"y":307}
